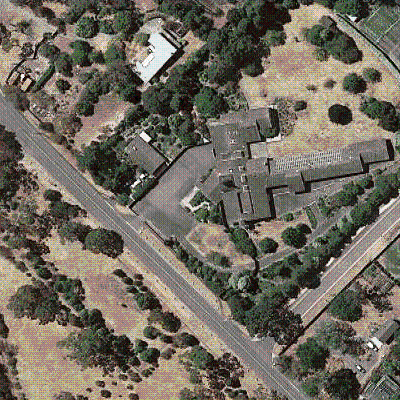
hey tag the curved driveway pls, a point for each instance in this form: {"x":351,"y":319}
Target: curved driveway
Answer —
{"x":255,"y":355}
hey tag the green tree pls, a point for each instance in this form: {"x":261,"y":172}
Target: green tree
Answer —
{"x":371,"y":75}
{"x":62,"y":85}
{"x":346,"y":306}
{"x":343,"y":385}
{"x":339,"y":114}
{"x":170,"y":322}
{"x":268,"y":245}
{"x":115,"y":53}
{"x":242,"y":242}
{"x":354,"y":83}
{"x":377,"y":108}
{"x":209,"y":102}
{"x":294,"y":237}
{"x":49,"y":51}
{"x":80,"y":54}
{"x":63,"y":64}
{"x":104,"y":241}
{"x":185,"y":339}
{"x":312,"y":355}
{"x":150,"y":355}
{"x":355,"y":8}
{"x":275,"y":38}
{"x":74,"y":231}
{"x":156,"y":100}
{"x":125,"y":21}
{"x":201,"y":358}
{"x":87,"y":27}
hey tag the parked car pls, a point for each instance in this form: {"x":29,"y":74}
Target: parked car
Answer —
{"x":360,"y":368}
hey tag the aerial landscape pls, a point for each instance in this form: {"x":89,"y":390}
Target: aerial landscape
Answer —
{"x":200,"y":199}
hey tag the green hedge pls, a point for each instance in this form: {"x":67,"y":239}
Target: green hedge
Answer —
{"x":44,"y":78}
{"x":311,"y":217}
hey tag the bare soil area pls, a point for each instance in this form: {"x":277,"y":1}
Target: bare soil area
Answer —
{"x":291,"y":67}
{"x":206,"y":238}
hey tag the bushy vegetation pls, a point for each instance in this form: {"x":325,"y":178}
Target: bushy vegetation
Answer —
{"x":339,"y":114}
{"x":354,"y":83}
{"x":346,"y":306}
{"x":338,"y":44}
{"x":382,"y":110}
{"x":44,"y":78}
{"x":104,"y":241}
{"x":242,"y":242}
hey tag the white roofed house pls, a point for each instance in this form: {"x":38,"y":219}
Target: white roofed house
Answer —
{"x":162,"y":47}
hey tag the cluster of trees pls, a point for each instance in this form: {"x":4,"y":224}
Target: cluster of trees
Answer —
{"x":339,"y":114}
{"x":242,"y":242}
{"x":337,"y":43}
{"x":102,"y":161}
{"x":10,"y":155}
{"x":382,"y":110}
{"x":346,"y":306}
{"x":191,"y":14}
{"x":296,"y":236}
{"x":16,"y":97}
{"x":210,"y":214}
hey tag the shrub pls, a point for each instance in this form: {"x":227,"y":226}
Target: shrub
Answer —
{"x":52,"y":195}
{"x":268,"y":245}
{"x":300,"y":105}
{"x":329,"y":83}
{"x":354,"y":83}
{"x":371,"y":75}
{"x":46,"y":75}
{"x":62,"y":85}
{"x":150,"y":332}
{"x":87,"y":27}
{"x":339,"y":114}
{"x":321,"y":54}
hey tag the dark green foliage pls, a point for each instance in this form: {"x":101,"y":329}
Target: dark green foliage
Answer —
{"x":294,"y":237}
{"x":35,"y":301}
{"x":74,"y":231}
{"x":3,"y":327}
{"x":185,"y":339}
{"x":338,"y":44}
{"x":84,"y":108}
{"x":150,"y":332}
{"x":140,"y":345}
{"x":52,"y":195}
{"x":268,"y":245}
{"x":209,"y":102}
{"x":336,"y":335}
{"x":73,"y":292}
{"x":275,"y":38}
{"x":147,"y":301}
{"x":218,"y":259}
{"x":312,"y":355}
{"x":354,"y":83}
{"x":170,"y":322}
{"x":96,"y":57}
{"x":377,"y":108}
{"x":125,"y":22}
{"x":44,"y":273}
{"x":114,"y":53}
{"x":156,"y":100}
{"x":254,"y":69}
{"x":16,"y":96}
{"x":371,"y":75}
{"x":81,"y":51}
{"x":44,"y":78}
{"x":49,"y":51}
{"x":100,"y":159}
{"x":61,"y":210}
{"x":390,"y":123}
{"x":339,"y":114}
{"x":89,"y":318}
{"x":63,"y":64}
{"x":104,"y":241}
{"x":300,"y":105}
{"x":242,"y":242}
{"x":346,"y":306}
{"x":94,"y":347}
{"x":355,"y":8}
{"x":87,"y":27}
{"x":343,"y":385}
{"x":62,"y":85}
{"x":238,"y":306}
{"x":150,"y":355}
{"x":106,"y":26}
{"x":201,"y":358}
{"x":270,"y":317}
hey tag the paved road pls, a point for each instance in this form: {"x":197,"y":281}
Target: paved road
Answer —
{"x":255,"y":355}
{"x":369,"y":243}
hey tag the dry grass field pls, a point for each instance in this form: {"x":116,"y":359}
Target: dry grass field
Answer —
{"x":210,"y":237}
{"x":290,"y":68}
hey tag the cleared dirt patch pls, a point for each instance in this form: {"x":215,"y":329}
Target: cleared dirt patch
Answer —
{"x":210,"y":237}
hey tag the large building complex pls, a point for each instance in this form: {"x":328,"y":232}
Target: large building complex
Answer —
{"x":244,"y":178}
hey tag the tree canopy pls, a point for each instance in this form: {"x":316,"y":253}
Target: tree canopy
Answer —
{"x":209,"y":103}
{"x":346,"y":306}
{"x":340,"y":114}
{"x":294,"y":237}
{"x":104,"y":241}
{"x":354,"y":83}
{"x":343,"y":385}
{"x":312,"y":355}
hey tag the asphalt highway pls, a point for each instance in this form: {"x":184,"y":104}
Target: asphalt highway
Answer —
{"x":255,"y":355}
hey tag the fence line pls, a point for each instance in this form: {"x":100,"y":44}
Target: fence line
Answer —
{"x":352,"y":30}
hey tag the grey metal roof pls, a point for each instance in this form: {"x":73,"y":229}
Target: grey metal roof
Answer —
{"x":385,"y":389}
{"x":144,"y":155}
{"x":386,"y":332}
